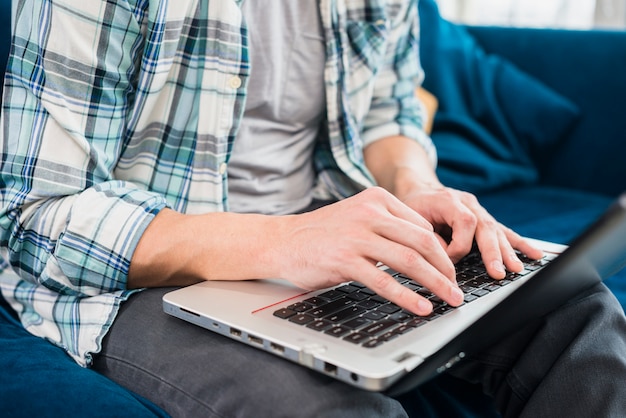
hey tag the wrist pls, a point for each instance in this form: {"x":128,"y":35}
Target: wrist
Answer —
{"x":408,"y":180}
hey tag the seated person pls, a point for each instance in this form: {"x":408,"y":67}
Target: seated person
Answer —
{"x":148,"y":146}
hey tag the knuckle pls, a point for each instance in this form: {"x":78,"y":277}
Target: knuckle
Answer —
{"x":375,"y":192}
{"x":410,"y":258}
{"x":469,"y":198}
{"x":430,"y":240}
{"x":468,"y":218}
{"x":438,"y":284}
{"x":490,"y":223}
{"x":381,"y":281}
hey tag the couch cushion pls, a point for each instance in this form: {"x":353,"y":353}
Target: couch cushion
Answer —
{"x":39,"y":379}
{"x":552,"y":214}
{"x":492,"y":115}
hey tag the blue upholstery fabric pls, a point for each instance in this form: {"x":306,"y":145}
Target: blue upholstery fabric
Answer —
{"x":492,"y":116}
{"x":552,"y":214}
{"x":587,"y":67}
{"x":39,"y":380}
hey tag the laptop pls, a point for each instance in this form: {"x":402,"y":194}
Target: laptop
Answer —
{"x":351,"y":334}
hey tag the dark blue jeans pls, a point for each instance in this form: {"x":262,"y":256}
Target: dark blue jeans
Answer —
{"x":573,"y":364}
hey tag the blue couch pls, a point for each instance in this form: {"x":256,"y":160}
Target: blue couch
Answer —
{"x":529,"y":120}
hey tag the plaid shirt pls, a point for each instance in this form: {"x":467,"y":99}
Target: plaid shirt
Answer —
{"x":115,"y":110}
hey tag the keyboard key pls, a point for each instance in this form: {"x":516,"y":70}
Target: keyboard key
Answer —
{"x":412,"y":286}
{"x":348,"y":288}
{"x":402,"y":316}
{"x":403,"y":329}
{"x":338,"y":331}
{"x":433,"y":315}
{"x":368,"y":304}
{"x":356,"y":337}
{"x":492,"y":287}
{"x":470,"y":298}
{"x":425,"y":292}
{"x":467,"y":288}
{"x":315,"y":301}
{"x":300,"y":307}
{"x":319,"y":325}
{"x":417,"y":322}
{"x":378,"y":327}
{"x":301,"y":319}
{"x":330,"y":308}
{"x":379,"y":299}
{"x":401,"y":279}
{"x":284,"y":313}
{"x":332,"y":294}
{"x":345,"y":314}
{"x":375,"y":315}
{"x":388,"y":336}
{"x":389,"y":308}
{"x":442,"y":310}
{"x":358,"y":296}
{"x":373,"y":343}
{"x":357,"y":322}
{"x":480,"y":292}
{"x":368,"y":291}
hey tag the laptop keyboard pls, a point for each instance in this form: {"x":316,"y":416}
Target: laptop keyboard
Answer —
{"x":358,"y":315}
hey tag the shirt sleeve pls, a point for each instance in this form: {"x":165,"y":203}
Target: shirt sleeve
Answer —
{"x":66,"y":222}
{"x":395,"y":108}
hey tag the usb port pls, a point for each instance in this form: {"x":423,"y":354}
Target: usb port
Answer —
{"x":277,"y":348}
{"x":235,"y":332}
{"x":255,"y":339}
{"x":330,"y":368}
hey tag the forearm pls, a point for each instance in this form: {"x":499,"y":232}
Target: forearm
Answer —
{"x":178,"y":249}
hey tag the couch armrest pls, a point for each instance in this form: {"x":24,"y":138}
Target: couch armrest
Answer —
{"x":588,"y":67}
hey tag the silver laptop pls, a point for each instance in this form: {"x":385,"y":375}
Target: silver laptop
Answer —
{"x":350,"y":333}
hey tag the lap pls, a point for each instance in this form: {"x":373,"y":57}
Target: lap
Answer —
{"x":193,"y":372}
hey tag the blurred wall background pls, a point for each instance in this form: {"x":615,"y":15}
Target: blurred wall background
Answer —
{"x":573,"y":14}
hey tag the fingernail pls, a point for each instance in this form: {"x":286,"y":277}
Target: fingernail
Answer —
{"x":457,"y":294}
{"x":498,"y":266}
{"x":424,"y":307}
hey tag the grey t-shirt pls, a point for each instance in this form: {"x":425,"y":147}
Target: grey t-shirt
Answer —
{"x":271,"y":169}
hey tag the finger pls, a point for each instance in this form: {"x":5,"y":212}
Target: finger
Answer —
{"x":489,"y":245}
{"x":400,"y":210}
{"x":522,"y":245}
{"x":509,"y":257}
{"x":408,"y":246}
{"x":386,"y":286}
{"x":413,"y":265}
{"x":452,"y":214}
{"x":463,"y":227}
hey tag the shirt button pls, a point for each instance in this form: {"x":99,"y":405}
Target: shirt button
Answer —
{"x":223,"y":168}
{"x":235,"y":82}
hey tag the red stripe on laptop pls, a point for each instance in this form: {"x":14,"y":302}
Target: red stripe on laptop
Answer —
{"x":282,"y":301}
